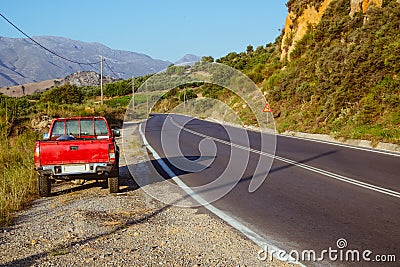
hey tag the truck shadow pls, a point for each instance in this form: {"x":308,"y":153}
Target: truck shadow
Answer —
{"x":36,"y":258}
{"x":127,"y":183}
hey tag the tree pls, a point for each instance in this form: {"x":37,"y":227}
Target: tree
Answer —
{"x":207,"y":59}
{"x":65,"y":94}
{"x":249,"y":49}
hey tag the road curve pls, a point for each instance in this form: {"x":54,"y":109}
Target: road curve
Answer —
{"x":298,"y":208}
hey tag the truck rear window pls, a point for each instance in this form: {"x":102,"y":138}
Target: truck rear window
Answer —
{"x":100,"y":127}
{"x":72,"y":128}
{"x":84,"y":128}
{"x":58,"y":129}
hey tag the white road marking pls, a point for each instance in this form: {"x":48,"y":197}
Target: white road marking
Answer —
{"x":395,"y":154}
{"x":373,"y":150}
{"x":256,"y":238}
{"x":298,"y":164}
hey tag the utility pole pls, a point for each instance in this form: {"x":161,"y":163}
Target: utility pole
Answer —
{"x":101,"y":79}
{"x":184,"y":99}
{"x":133,"y":93}
{"x":147,"y":102}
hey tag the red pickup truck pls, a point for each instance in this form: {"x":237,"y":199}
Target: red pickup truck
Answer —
{"x":77,"y":148}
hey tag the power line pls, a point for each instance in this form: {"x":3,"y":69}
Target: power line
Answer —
{"x":45,"y":48}
{"x":119,"y":76}
{"x":94,"y":67}
{"x":105,"y":61}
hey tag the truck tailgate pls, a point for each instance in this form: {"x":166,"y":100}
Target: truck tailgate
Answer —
{"x":74,"y":151}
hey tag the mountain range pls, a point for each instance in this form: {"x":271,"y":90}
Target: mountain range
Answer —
{"x":22,"y":61}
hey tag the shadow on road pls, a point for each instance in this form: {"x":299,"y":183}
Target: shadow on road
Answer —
{"x":247,"y":178}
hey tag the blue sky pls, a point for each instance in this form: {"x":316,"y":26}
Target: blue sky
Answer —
{"x":161,"y":29}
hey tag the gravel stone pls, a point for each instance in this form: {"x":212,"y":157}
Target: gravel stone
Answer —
{"x":86,"y":226}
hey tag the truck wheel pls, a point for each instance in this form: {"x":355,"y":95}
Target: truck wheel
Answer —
{"x":113,"y":179}
{"x":44,"y":186}
{"x":113,"y":184}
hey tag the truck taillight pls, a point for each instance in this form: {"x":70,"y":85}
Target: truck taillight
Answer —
{"x":111,"y":153}
{"x":36,"y":155}
{"x":37,"y":151}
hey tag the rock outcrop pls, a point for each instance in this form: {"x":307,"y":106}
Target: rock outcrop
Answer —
{"x":297,"y":24}
{"x":363,"y":5}
{"x":86,"y":78}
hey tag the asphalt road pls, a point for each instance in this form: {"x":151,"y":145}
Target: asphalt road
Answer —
{"x":306,"y":207}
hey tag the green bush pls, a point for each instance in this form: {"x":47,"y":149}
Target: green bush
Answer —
{"x":118,"y":88}
{"x":65,"y":94}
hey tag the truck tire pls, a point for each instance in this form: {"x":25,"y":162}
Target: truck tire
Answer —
{"x":113,"y":184}
{"x":113,"y":179}
{"x":44,"y":186}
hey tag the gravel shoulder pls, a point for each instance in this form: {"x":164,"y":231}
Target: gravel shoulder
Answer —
{"x":87,"y":226}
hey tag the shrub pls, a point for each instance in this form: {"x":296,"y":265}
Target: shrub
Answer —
{"x":65,"y":94}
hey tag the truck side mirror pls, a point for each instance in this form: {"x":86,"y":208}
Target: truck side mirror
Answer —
{"x":45,"y":136}
{"x":116,"y":133}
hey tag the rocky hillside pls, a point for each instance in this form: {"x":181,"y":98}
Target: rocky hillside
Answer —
{"x":22,"y":62}
{"x":334,"y":70}
{"x":86,"y":78}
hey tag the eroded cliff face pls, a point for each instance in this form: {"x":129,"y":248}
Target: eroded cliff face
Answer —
{"x":297,"y":24}
{"x":363,"y":5}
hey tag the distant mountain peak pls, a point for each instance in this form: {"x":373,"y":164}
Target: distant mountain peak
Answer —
{"x":188,"y":58}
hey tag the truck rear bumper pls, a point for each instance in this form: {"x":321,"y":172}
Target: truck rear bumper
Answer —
{"x":89,"y":169}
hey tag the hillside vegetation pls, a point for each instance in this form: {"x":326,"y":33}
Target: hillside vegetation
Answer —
{"x":342,"y":77}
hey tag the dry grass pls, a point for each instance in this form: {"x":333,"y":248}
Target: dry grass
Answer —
{"x":30,"y":88}
{"x":18,"y":179}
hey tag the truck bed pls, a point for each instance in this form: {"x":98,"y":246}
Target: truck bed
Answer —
{"x":74,"y":151}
